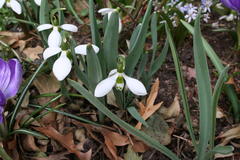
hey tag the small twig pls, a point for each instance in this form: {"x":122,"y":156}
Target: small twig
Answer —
{"x":122,"y":8}
{"x":14,"y":52}
{"x":184,"y":139}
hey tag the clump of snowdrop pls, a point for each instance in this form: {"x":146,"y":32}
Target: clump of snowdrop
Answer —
{"x":13,"y":4}
{"x":118,"y":78}
{"x":63,"y":65}
{"x":108,"y":12}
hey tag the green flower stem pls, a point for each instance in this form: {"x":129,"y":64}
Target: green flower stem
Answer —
{"x":4,"y":154}
{"x":238,"y":34}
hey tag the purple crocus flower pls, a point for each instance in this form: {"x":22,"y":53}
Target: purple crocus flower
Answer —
{"x":10,"y":80}
{"x":232,"y":4}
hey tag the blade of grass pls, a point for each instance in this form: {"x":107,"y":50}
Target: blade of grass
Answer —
{"x":142,"y":136}
{"x":181,"y":86}
{"x":27,"y":131}
{"x":22,"y":96}
{"x":3,"y":154}
{"x":65,"y":114}
{"x":72,"y":10}
{"x":26,"y":122}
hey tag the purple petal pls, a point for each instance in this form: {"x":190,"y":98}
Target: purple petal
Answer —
{"x":15,"y":78}
{"x":2,"y":103}
{"x":232,"y":4}
{"x":4,"y":75}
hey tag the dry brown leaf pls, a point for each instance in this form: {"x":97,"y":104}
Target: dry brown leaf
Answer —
{"x":173,"y":110}
{"x":116,"y":138}
{"x":11,"y":37}
{"x":223,"y":156}
{"x":46,"y":83}
{"x":111,"y":148}
{"x":149,"y":108}
{"x":230,"y":134}
{"x":220,"y":113}
{"x":32,"y":53}
{"x":65,"y":140}
{"x":29,"y":144}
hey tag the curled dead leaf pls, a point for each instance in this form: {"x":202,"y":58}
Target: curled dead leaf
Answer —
{"x":65,"y":140}
{"x":149,"y":108}
{"x":230,"y":134}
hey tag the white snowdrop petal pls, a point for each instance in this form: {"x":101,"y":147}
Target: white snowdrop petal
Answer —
{"x":54,"y":38}
{"x":81,"y":49}
{"x":105,"y":86}
{"x":62,"y":67}
{"x":43,"y":27}
{"x":51,"y":51}
{"x":135,"y":86}
{"x":38,"y":2}
{"x":69,"y":27}
{"x":16,"y":6}
{"x":95,"y":48}
{"x":104,"y":11}
{"x":2,"y":3}
{"x":112,"y":72}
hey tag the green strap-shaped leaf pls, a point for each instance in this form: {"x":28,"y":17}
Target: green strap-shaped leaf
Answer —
{"x":94,"y":71}
{"x":96,"y":39}
{"x":134,"y":36}
{"x":204,"y":89}
{"x":138,"y":46}
{"x":219,"y":66}
{"x":181,"y":85}
{"x":142,"y":136}
{"x":44,"y":18}
{"x":133,"y":111}
{"x":216,"y":94}
{"x":110,"y":42}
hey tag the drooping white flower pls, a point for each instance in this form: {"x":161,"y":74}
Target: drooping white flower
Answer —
{"x":109,"y":12}
{"x":82,"y":49}
{"x":117,"y":79}
{"x":38,"y":2}
{"x":13,"y":4}
{"x":63,"y":65}
{"x":54,"y":38}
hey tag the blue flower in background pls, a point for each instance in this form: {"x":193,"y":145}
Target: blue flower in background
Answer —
{"x":232,"y":4}
{"x":10,"y":80}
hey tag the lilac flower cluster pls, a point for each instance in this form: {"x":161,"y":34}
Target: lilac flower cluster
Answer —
{"x":190,"y":11}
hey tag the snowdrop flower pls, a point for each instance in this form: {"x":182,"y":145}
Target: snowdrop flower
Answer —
{"x":109,"y":12}
{"x":54,"y":38}
{"x":118,"y":78}
{"x":63,"y":65}
{"x":13,"y":4}
{"x":38,"y":2}
{"x":10,"y":80}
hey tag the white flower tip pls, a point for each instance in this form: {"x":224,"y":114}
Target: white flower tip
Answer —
{"x":69,"y":27}
{"x":62,"y":67}
{"x":82,"y":49}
